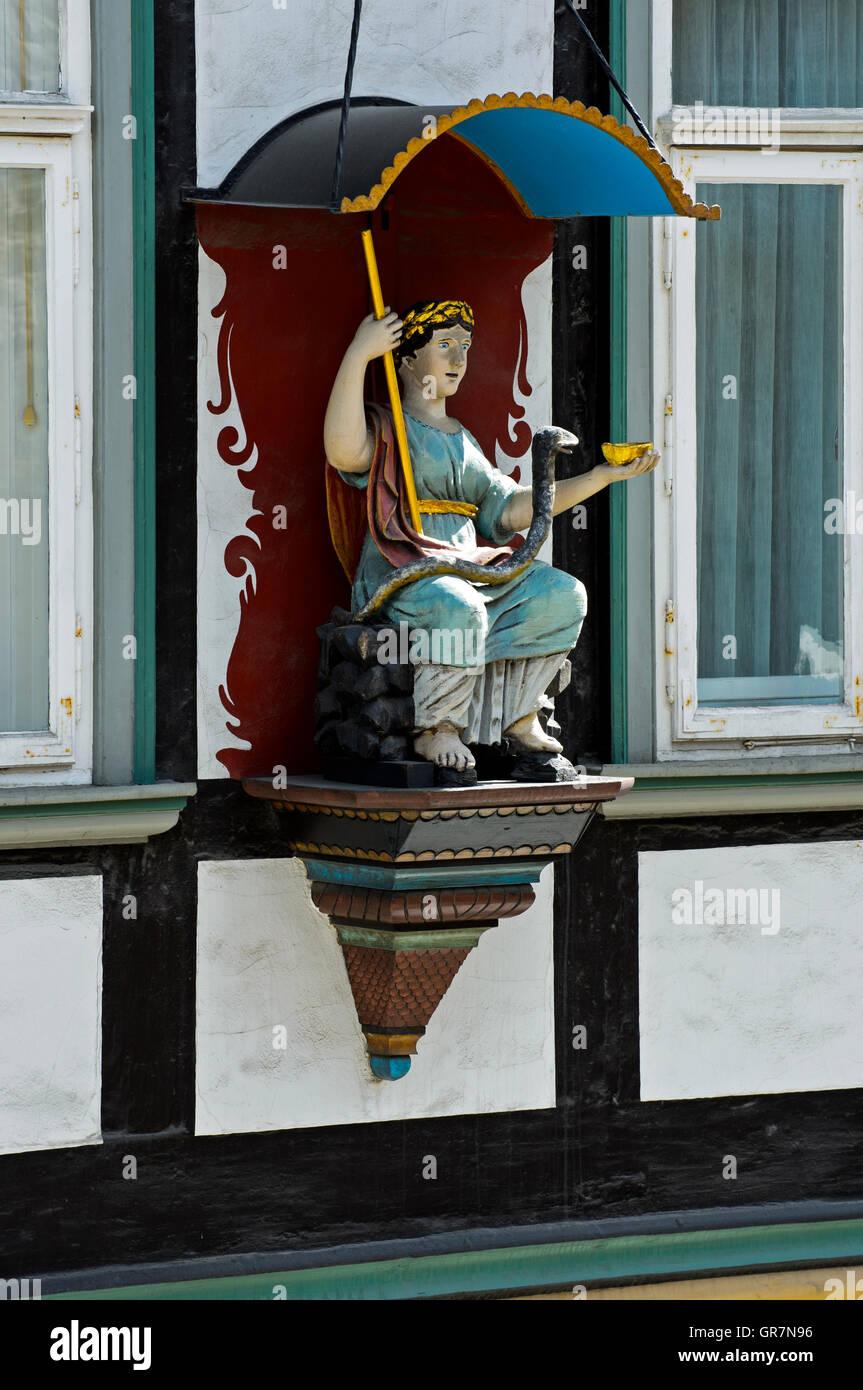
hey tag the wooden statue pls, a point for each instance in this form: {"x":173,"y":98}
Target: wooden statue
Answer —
{"x":488,"y":631}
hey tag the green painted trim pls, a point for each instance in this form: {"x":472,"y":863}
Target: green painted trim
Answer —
{"x":144,"y":185}
{"x":95,"y":808}
{"x":63,"y":816}
{"x":68,"y":797}
{"x":617,"y":420}
{"x":730,"y":794}
{"x":757,"y":779}
{"x":441,"y":939}
{"x":113,"y":414}
{"x":615,"y":1260}
{"x":617,"y":55}
{"x":417,"y":876}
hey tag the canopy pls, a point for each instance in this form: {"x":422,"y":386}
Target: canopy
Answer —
{"x":557,"y":157}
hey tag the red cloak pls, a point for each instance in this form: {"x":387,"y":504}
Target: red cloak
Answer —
{"x":386,"y":513}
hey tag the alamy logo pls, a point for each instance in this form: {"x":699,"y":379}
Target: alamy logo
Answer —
{"x":21,"y":516}
{"x":445,"y":646}
{"x":843,"y":516}
{"x":851,"y":1288}
{"x":77,"y":1343}
{"x":727,"y":125}
{"x":716,"y":907}
{"x":20,"y":1289}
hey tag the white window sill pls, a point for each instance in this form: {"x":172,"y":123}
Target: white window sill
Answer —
{"x":45,"y":817}
{"x":798,"y":128}
{"x":37,"y":118}
{"x":738,"y":787}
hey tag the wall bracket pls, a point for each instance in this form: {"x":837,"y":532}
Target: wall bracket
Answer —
{"x":411,"y":878}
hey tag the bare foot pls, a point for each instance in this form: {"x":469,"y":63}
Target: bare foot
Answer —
{"x":444,"y":747}
{"x":529,"y":736}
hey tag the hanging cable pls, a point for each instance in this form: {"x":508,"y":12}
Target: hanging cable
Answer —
{"x":336,"y":198}
{"x":609,"y":72}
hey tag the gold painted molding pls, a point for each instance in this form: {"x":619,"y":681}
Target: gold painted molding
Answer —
{"x":428,"y":856}
{"x":591,"y":115}
{"x":785,"y":1286}
{"x":348,"y":813}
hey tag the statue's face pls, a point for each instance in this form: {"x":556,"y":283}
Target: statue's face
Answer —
{"x":439,"y":366}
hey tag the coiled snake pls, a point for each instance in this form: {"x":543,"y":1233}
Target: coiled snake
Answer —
{"x":547,"y":444}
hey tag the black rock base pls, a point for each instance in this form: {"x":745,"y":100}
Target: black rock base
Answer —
{"x":448,"y":777}
{"x":364,"y":773}
{"x":543,"y":767}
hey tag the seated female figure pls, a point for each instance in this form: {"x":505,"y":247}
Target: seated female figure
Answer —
{"x":491,"y":650}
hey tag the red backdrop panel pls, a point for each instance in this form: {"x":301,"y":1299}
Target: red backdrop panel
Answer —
{"x":449,"y":230}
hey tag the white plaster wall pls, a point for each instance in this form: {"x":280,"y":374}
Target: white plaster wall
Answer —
{"x":737,"y":1010}
{"x":256,"y":64}
{"x":266,"y":957}
{"x":536,"y":299}
{"x":265,"y":954}
{"x":224,"y":508}
{"x":50,"y":1012}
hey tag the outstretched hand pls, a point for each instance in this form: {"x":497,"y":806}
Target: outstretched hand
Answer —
{"x":374,"y":336}
{"x":645,"y":464}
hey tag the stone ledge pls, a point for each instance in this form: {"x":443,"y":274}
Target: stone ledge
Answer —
{"x":422,"y":825}
{"x":307,"y":792}
{"x":56,"y":817}
{"x":737,"y":788}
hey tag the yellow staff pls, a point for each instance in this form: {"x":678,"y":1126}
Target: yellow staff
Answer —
{"x":392,"y":386}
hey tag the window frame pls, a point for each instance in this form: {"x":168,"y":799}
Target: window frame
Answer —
{"x":74,"y":34}
{"x":827,"y":134}
{"x":681,"y":721}
{"x":52,"y":132}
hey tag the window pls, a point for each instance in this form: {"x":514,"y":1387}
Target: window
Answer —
{"x":30,"y":46}
{"x":802,"y":53}
{"x":757,"y":355}
{"x":45,"y":392}
{"x":24,"y":480}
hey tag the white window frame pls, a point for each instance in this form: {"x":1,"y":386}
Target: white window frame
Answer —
{"x":689,"y":722}
{"x":53,"y":134}
{"x":815,"y":146}
{"x":74,"y":34}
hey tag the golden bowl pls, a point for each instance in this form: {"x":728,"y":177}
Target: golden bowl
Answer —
{"x":616,"y":454}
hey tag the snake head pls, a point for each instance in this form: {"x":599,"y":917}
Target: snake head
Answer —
{"x":551,"y":441}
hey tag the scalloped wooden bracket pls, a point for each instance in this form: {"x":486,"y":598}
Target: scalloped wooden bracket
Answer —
{"x":411,"y":878}
{"x":679,"y":199}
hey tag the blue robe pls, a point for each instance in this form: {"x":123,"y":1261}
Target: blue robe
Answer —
{"x":536,"y":614}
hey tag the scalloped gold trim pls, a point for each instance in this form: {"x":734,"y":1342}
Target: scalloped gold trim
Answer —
{"x":428,"y":855}
{"x":662,"y":170}
{"x":559,"y":808}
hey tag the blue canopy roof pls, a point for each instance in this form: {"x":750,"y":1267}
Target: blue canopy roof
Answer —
{"x":558,"y":158}
{"x":562,"y":167}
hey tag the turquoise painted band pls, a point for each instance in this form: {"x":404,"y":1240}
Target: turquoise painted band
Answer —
{"x":418,"y":876}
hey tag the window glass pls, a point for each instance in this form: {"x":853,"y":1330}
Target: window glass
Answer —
{"x":29,"y":45}
{"x":23,"y":452}
{"x":768,"y":52}
{"x":769,"y":425}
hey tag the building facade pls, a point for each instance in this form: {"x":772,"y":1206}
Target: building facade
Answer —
{"x":666,"y":1046}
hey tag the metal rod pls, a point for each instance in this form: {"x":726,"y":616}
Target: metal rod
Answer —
{"x":610,"y":74}
{"x":392,"y":385}
{"x":335,"y":197}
